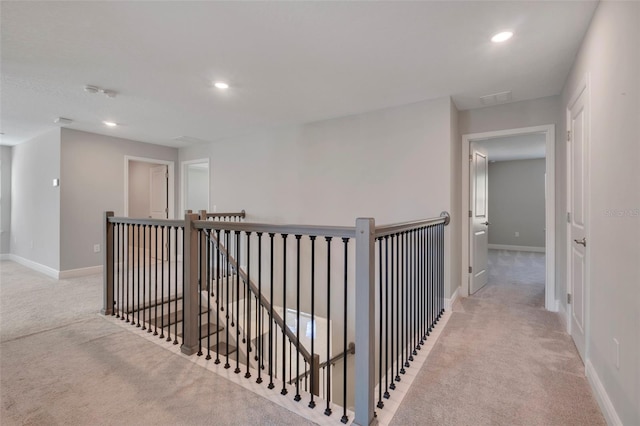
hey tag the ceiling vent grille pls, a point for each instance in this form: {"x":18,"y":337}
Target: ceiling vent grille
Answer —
{"x":496,"y":98}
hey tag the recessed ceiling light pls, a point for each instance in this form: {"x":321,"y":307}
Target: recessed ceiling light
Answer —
{"x":110,"y":123}
{"x":503,"y":36}
{"x":221,"y":85}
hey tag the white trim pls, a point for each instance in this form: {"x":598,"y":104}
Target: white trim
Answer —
{"x":550,"y":206}
{"x":48,"y":271}
{"x":5,"y":256}
{"x":608,"y":410}
{"x":516,"y":248}
{"x":171,"y":170}
{"x":80,"y":272}
{"x":448,"y":303}
{"x":183,"y":182}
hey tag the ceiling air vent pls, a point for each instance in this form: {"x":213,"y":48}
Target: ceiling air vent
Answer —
{"x":496,"y":98}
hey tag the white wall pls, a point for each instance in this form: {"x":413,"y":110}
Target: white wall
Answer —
{"x":197,"y":188}
{"x":516,"y":202}
{"x":530,"y":113}
{"x":93,"y":182}
{"x":5,"y":199}
{"x":35,"y":204}
{"x":611,"y":56}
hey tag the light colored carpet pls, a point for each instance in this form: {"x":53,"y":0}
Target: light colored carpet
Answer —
{"x":502,"y":359}
{"x":62,"y":364}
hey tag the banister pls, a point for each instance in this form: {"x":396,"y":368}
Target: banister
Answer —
{"x":324,"y":231}
{"x":395,"y":228}
{"x":147,"y":221}
{"x":263,"y":301}
{"x":241,"y":214}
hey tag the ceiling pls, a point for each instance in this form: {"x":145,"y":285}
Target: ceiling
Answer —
{"x":286,"y":62}
{"x":517,"y":147}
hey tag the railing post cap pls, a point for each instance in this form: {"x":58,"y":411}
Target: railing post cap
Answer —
{"x":447,"y":217}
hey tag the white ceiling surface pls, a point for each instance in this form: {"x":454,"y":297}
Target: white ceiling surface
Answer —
{"x":518,"y":147}
{"x":286,"y":62}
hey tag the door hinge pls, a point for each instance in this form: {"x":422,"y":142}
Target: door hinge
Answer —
{"x":568,"y":298}
{"x":568,"y":217}
{"x":166,"y":210}
{"x":470,"y":269}
{"x":568,"y":135}
{"x":471,"y":158}
{"x":166,"y":175}
{"x":470,"y":213}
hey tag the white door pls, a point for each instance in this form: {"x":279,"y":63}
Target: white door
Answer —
{"x":479,"y":223}
{"x":577,"y":159}
{"x":159,"y":192}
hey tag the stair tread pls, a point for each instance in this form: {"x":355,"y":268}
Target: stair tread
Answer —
{"x":223,"y":348}
{"x":213,"y":328}
{"x":170,"y":318}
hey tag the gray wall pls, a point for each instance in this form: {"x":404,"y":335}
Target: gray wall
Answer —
{"x":392,"y":164}
{"x":5,"y":199}
{"x":93,"y":182}
{"x":35,"y":204}
{"x":611,"y":57}
{"x":516,"y":202}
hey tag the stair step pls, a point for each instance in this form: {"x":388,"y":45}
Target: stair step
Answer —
{"x":222,"y":348}
{"x":170,"y":318}
{"x":214,"y":328}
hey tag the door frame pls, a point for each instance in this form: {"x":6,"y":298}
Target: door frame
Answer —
{"x":550,"y":301}
{"x":171,"y":190}
{"x":183,"y":180}
{"x":583,"y":86}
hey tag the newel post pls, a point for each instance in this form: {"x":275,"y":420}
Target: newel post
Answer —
{"x":107,"y":264}
{"x":365,"y":322}
{"x":190,"y":292}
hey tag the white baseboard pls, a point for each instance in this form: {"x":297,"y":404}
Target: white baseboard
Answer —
{"x":516,"y":248}
{"x":5,"y":256}
{"x":448,"y":303}
{"x":81,"y":272}
{"x":35,"y":266}
{"x":608,"y":410}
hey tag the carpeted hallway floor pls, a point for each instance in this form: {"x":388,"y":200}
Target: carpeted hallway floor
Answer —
{"x":501,"y":360}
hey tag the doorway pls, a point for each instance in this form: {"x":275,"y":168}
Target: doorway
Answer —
{"x":195,"y":185}
{"x":495,"y":147}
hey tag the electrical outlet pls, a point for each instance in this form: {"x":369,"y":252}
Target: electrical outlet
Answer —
{"x":517,"y":234}
{"x":616,"y":352}
{"x":96,"y":248}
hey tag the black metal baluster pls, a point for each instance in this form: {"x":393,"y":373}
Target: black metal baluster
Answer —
{"x":381,"y":325}
{"x":327,"y":411}
{"x":386,"y":318}
{"x":344,"y":418}
{"x":271,"y":385}
{"x":175,"y":271}
{"x":422,"y":303}
{"x":398,"y":296}
{"x":441,"y":293}
{"x":284,"y":313}
{"x":312,"y":403}
{"x":392,"y":385}
{"x":218,"y":307}
{"x":237,"y":300}
{"x":402,"y":300}
{"x":116,"y":248}
{"x":226,"y":243}
{"x":208,"y":289}
{"x":260,"y":320}
{"x":144,"y":273}
{"x":407,"y":293}
{"x":200,"y":281}
{"x":127,"y":297}
{"x":297,"y":397}
{"x":248,"y":313}
{"x":415,"y":294}
{"x":410,"y":298}
{"x":137,"y":248}
{"x":155,"y":313}
{"x":168,"y":231}
{"x":162,"y":230}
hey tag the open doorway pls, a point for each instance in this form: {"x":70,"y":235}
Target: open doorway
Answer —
{"x":195,"y":185}
{"x":508,"y":189}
